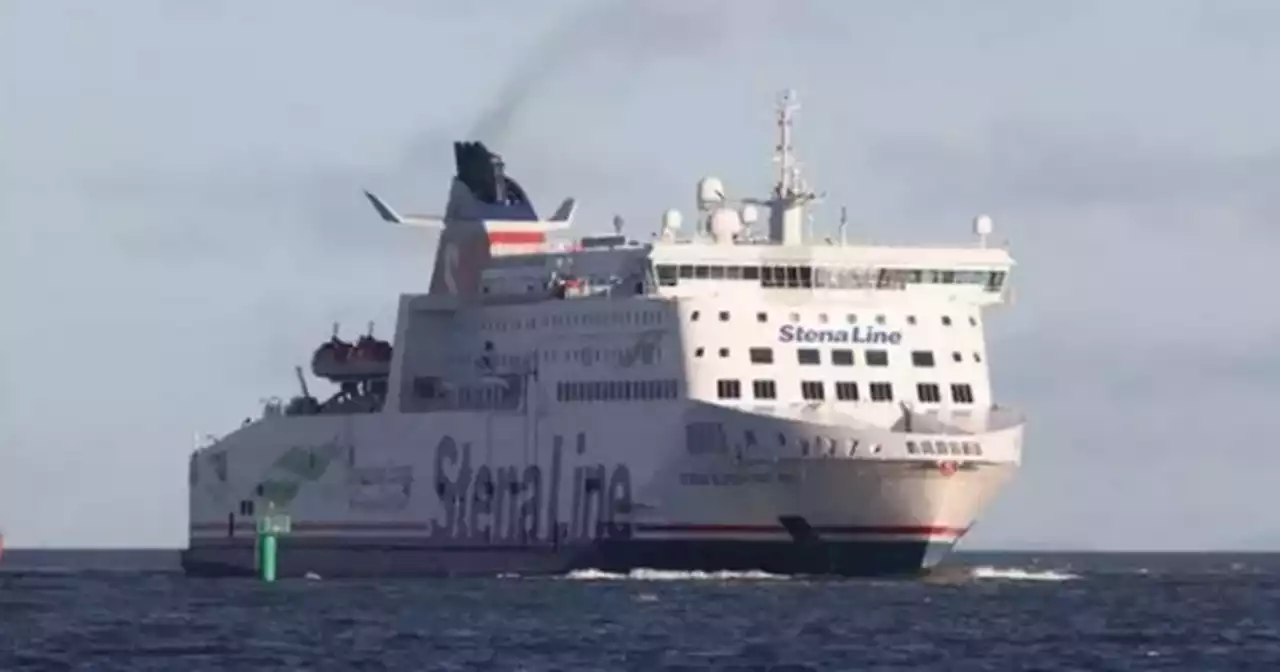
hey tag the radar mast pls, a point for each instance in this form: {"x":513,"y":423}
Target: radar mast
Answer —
{"x":790,"y":193}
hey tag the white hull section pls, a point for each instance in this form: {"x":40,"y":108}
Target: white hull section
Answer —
{"x":686,"y":474}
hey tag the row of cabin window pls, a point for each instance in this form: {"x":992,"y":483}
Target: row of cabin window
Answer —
{"x":822,"y":277}
{"x":944,"y":448}
{"x":617,"y":390}
{"x":815,"y":390}
{"x":851,"y":318}
{"x":646,"y":354}
{"x":467,"y":396}
{"x":844,"y":357}
{"x":614,"y":318}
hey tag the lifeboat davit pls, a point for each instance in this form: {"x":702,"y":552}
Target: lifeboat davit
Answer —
{"x":367,"y":359}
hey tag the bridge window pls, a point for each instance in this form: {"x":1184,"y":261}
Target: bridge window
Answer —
{"x":957,"y":357}
{"x":847,"y":391}
{"x":724,"y":352}
{"x":728,"y":389}
{"x":923,"y":358}
{"x":911,"y":319}
{"x":961,"y":393}
{"x":812,"y":390}
{"x":928,"y":393}
{"x":877,"y":358}
{"x":808,"y":356}
{"x":724,"y":316}
{"x":764,"y":389}
{"x":912,"y":448}
{"x":842,"y":357}
{"x":808,"y":277}
{"x":881,"y":392}
{"x":973,"y":321}
{"x":946,"y":320}
{"x":977,"y":357}
{"x":762,"y":317}
{"x":693,"y":317}
{"x":761,"y":355}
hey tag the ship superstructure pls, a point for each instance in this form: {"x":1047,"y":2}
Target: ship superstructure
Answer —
{"x":717,"y":399}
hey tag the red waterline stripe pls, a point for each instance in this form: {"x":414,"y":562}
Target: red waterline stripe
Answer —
{"x":324,"y":526}
{"x":321,"y":526}
{"x":832,"y":529}
{"x":516,"y":237}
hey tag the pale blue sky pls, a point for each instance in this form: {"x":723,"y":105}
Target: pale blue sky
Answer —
{"x":181,"y":219}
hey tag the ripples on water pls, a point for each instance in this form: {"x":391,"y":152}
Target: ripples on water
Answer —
{"x":1220,"y":616}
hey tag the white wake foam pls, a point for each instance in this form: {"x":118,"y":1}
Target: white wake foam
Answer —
{"x":1018,"y":574}
{"x":670,"y":575}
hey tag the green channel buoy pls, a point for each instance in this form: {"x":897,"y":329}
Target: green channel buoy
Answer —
{"x":270,"y":527}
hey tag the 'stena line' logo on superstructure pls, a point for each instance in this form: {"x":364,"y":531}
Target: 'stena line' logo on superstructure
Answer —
{"x":793,"y":333}
{"x":520,"y":503}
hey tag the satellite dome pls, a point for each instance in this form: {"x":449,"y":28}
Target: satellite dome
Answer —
{"x":983,"y":225}
{"x":672,"y":219}
{"x":725,"y":223}
{"x":710,"y":193}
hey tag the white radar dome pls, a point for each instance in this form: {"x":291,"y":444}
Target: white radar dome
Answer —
{"x":672,"y":219}
{"x":710,"y":193}
{"x":725,"y":224}
{"x":983,"y":225}
{"x":750,"y":214}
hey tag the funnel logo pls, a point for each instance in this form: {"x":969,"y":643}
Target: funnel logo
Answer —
{"x":462,"y":257}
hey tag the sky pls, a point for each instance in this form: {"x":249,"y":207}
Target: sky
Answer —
{"x":181,"y":219}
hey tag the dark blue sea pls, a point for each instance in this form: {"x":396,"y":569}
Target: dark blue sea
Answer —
{"x":133,"y":611}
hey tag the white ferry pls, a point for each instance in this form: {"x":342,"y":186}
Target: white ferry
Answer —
{"x":716,"y":399}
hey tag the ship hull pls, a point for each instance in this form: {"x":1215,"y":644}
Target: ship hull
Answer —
{"x":347,"y":559}
{"x":699,"y":492}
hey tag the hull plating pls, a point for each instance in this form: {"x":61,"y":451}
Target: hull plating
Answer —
{"x":398,"y":495}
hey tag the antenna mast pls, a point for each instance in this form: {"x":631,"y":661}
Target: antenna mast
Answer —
{"x":788,"y":170}
{"x":790,"y":195}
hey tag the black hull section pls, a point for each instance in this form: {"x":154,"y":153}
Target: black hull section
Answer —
{"x":861,"y":558}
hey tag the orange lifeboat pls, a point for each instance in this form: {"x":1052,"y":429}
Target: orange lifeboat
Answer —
{"x":339,"y":361}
